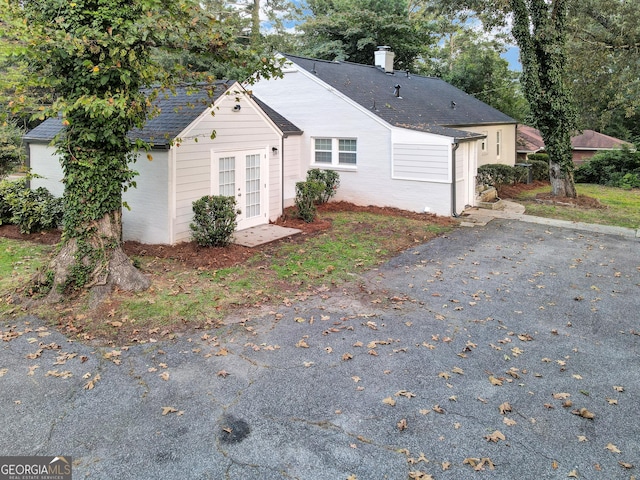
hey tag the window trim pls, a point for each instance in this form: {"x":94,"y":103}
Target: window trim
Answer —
{"x":335,"y":152}
{"x":484,"y":143}
{"x":498,"y":143}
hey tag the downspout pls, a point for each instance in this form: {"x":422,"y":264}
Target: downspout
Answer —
{"x":282,"y":174}
{"x":454,"y":147}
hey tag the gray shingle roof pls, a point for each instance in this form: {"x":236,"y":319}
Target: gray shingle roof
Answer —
{"x":177,"y":111}
{"x":282,"y":123}
{"x":425,"y":103}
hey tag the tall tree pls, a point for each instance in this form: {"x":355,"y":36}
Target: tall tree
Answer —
{"x":97,"y":55}
{"x":540,"y":29}
{"x":352,"y":29}
{"x":604,"y":65}
{"x":466,"y":58}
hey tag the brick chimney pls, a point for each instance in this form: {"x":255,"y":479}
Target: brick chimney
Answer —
{"x":384,"y":58}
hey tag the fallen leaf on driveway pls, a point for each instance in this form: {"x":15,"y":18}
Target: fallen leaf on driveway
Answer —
{"x":495,"y":436}
{"x":584,"y":413}
{"x":561,"y":396}
{"x":402,"y":424}
{"x":495,"y":381}
{"x":612,"y":448}
{"x":509,"y":422}
{"x":618,"y":388}
{"x":164,"y":376}
{"x":405,"y":393}
{"x":479,"y":463}
{"x":167,"y":410}
{"x":582,"y":438}
{"x":626,"y":465}
{"x":420,"y":476}
{"x":389,"y":401}
{"x":573,"y":474}
{"x":504,"y":408}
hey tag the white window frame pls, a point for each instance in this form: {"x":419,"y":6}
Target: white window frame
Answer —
{"x":498,"y":143}
{"x":335,"y":153}
{"x":484,"y":143}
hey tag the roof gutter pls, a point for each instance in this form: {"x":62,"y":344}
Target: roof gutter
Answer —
{"x":454,"y":147}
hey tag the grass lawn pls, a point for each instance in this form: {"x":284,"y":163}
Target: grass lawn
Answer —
{"x":182,"y":297}
{"x":619,"y":207}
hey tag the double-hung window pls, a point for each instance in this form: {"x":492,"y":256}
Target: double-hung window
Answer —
{"x":336,"y":152}
{"x":498,"y":142}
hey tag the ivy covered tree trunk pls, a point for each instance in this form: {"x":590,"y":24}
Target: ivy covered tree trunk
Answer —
{"x":540,"y":27}
{"x":96,"y":62}
{"x":97,"y":56}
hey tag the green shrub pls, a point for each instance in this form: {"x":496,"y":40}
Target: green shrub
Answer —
{"x":214,"y":220}
{"x":495,"y":175}
{"x":31,"y":210}
{"x":306,"y":195}
{"x":539,"y":165}
{"x":610,"y":167}
{"x":9,"y":192}
{"x":12,"y":153}
{"x":330,"y":179}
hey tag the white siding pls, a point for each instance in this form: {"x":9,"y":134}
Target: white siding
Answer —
{"x":147,"y":221}
{"x":322,"y":112}
{"x":421,"y":162}
{"x":294,"y":168}
{"x":46,"y":163}
{"x":246,"y":129}
{"x":507,"y":143}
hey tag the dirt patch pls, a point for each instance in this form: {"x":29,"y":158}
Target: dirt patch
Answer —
{"x":190,"y":254}
{"x":582,"y":201}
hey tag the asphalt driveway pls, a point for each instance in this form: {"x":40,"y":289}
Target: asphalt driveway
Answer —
{"x":505,"y":351}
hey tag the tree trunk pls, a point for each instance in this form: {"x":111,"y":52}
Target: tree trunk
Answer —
{"x":562,"y":184}
{"x":98,"y":265}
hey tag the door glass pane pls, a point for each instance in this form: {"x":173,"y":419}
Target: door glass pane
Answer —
{"x":227,"y":176}
{"x":252,"y":186}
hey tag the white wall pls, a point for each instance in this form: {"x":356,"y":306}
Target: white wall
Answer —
{"x":46,"y":163}
{"x":246,"y":129}
{"x":322,"y":112}
{"x":161,"y":205}
{"x":147,"y":221}
{"x":507,"y":147}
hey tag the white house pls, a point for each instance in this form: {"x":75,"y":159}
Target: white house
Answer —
{"x":397,"y":139}
{"x":243,"y":159}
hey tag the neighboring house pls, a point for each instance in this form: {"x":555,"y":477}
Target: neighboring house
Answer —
{"x":397,"y":139}
{"x":585,"y":145}
{"x":243,"y":160}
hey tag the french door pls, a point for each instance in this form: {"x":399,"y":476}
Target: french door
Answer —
{"x":242,"y":175}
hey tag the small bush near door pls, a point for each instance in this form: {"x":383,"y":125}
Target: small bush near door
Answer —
{"x":214,"y":220}
{"x":330,"y":181}
{"x":306,"y":199}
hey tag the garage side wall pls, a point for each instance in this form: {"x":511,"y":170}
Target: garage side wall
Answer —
{"x":147,"y":219}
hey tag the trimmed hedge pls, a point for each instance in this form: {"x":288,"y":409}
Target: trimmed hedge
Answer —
{"x":214,"y":220}
{"x":495,"y":175}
